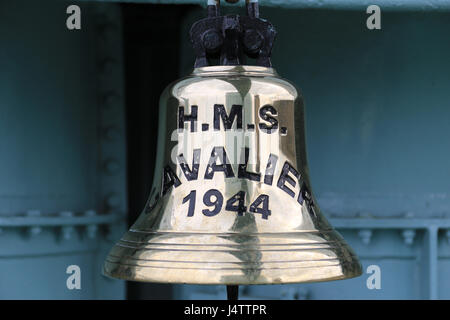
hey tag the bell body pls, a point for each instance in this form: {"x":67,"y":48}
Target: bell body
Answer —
{"x":232,"y":201}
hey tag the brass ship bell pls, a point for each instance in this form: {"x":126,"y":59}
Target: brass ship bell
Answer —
{"x":232,"y":201}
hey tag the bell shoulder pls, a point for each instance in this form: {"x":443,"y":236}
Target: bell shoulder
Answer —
{"x":198,"y":85}
{"x":290,"y":87}
{"x":175,"y":88}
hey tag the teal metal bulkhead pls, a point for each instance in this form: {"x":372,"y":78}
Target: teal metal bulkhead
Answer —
{"x":62,"y":184}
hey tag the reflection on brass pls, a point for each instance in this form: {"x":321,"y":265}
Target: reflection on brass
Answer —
{"x":231,"y":202}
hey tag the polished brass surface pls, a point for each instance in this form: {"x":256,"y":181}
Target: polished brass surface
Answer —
{"x":235,"y":217}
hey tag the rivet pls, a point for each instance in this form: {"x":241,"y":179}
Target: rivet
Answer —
{"x":92,"y":231}
{"x":33,"y":230}
{"x":111,"y":166}
{"x":110,"y":99}
{"x":66,"y":214}
{"x":90,"y":213}
{"x":33,"y":213}
{"x":111,"y":133}
{"x":365,"y":235}
{"x":364,"y":215}
{"x":408,"y":215}
{"x":106,"y":30}
{"x":408,"y":236}
{"x":113,"y":200}
{"x":107,"y":65}
{"x":67,"y":232}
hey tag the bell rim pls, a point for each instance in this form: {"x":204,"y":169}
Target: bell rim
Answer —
{"x":352,"y":269}
{"x":243,"y":70}
{"x":324,"y":259}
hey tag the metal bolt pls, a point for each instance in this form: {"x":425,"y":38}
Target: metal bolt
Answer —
{"x":110,"y":99}
{"x":111,"y":133}
{"x":67,"y":232}
{"x":408,"y":215}
{"x":364,"y":215}
{"x":365,"y":235}
{"x":90,"y":213}
{"x":107,"y":65}
{"x":212,"y":40}
{"x":34,"y":230}
{"x":107,"y":30}
{"x":91,"y":229}
{"x":408,"y":236}
{"x":111,"y":166}
{"x":113,"y":200}
{"x":33,"y":213}
{"x":66,"y":214}
{"x":253,"y":41}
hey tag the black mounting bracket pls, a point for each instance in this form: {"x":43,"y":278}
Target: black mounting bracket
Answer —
{"x":229,"y":37}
